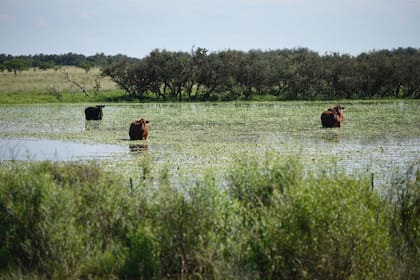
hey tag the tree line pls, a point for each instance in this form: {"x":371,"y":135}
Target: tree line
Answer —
{"x":231,"y":74}
{"x":52,"y":61}
{"x":286,"y":74}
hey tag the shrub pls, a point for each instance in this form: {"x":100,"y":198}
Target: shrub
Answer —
{"x":405,"y":226}
{"x":315,"y":227}
{"x":55,"y":217}
{"x":265,"y":219}
{"x":22,"y":241}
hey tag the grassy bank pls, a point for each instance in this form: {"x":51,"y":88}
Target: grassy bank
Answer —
{"x":261,"y":219}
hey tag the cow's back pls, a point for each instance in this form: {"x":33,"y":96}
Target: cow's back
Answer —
{"x":136,"y":131}
{"x":93,"y":113}
{"x":328,"y":119}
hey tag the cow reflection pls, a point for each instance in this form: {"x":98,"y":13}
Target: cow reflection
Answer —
{"x":135,"y":148}
{"x":331,"y":136}
{"x":92,"y":125}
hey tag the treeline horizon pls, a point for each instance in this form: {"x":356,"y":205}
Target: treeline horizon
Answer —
{"x":47,"y":61}
{"x":285,"y":74}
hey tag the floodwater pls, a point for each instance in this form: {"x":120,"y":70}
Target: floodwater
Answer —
{"x":379,"y":138}
{"x":54,"y":150}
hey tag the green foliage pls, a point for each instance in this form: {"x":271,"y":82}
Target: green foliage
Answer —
{"x":17,"y":65}
{"x":46,"y":65}
{"x":253,"y":183}
{"x":287,"y":74}
{"x":265,"y":219}
{"x":68,"y":59}
{"x":142,"y":254}
{"x":318,"y":227}
{"x":405,"y":230}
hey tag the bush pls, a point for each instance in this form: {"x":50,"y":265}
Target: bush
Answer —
{"x":315,"y":227}
{"x":405,"y":225}
{"x":267,"y":219}
{"x":55,"y":217}
{"x":21,"y":235}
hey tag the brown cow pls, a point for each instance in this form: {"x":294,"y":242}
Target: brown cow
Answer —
{"x":333,"y":116}
{"x":139,"y":130}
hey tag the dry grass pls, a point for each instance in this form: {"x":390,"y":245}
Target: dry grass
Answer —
{"x":54,"y":81}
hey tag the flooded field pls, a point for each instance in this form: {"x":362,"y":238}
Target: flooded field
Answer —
{"x":377,"y":137}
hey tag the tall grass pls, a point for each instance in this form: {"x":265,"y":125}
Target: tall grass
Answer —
{"x":261,"y":219}
{"x":62,"y":85}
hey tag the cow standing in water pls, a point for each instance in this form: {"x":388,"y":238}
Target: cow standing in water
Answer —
{"x":139,"y":130}
{"x":333,"y":116}
{"x":94,"y":113}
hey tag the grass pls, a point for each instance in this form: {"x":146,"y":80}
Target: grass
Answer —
{"x":257,"y":220}
{"x":52,"y":86}
{"x":75,"y":97}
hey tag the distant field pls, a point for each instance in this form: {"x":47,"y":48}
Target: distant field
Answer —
{"x":34,"y":86}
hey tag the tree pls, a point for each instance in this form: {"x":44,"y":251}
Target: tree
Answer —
{"x":45,"y":65}
{"x":290,"y":74}
{"x":16,"y":65}
{"x":126,"y":74}
{"x":86,"y":66}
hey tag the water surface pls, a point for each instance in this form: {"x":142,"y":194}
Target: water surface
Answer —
{"x":55,"y":150}
{"x":377,"y":137}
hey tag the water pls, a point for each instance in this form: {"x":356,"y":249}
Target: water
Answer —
{"x":377,"y":137}
{"x":54,"y":150}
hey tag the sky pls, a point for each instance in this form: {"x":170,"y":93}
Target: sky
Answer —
{"x":136,"y":27}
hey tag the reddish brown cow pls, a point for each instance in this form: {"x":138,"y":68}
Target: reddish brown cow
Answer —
{"x":333,"y":116}
{"x":139,"y":130}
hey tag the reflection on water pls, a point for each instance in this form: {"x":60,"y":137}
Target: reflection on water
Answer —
{"x":41,"y":149}
{"x":92,"y":125}
{"x":136,"y":148}
{"x":331,"y":134}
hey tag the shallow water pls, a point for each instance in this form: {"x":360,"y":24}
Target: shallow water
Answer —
{"x":377,"y":137}
{"x":44,"y":149}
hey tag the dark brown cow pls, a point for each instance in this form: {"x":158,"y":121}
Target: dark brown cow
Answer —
{"x":139,"y":130}
{"x":94,"y":113}
{"x":333,"y":116}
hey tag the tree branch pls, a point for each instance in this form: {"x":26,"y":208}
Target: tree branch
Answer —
{"x":67,"y":78}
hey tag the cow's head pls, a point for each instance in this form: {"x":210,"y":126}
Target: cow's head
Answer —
{"x":337,"y":109}
{"x":142,"y":122}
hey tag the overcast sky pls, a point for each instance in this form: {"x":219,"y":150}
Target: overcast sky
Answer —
{"x":136,"y":27}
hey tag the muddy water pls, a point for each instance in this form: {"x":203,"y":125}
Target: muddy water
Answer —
{"x":377,"y":137}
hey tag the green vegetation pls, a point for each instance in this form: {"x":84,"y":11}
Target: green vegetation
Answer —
{"x":185,"y":206}
{"x":49,"y":61}
{"x":261,"y":219}
{"x":287,"y":74}
{"x":297,"y":74}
